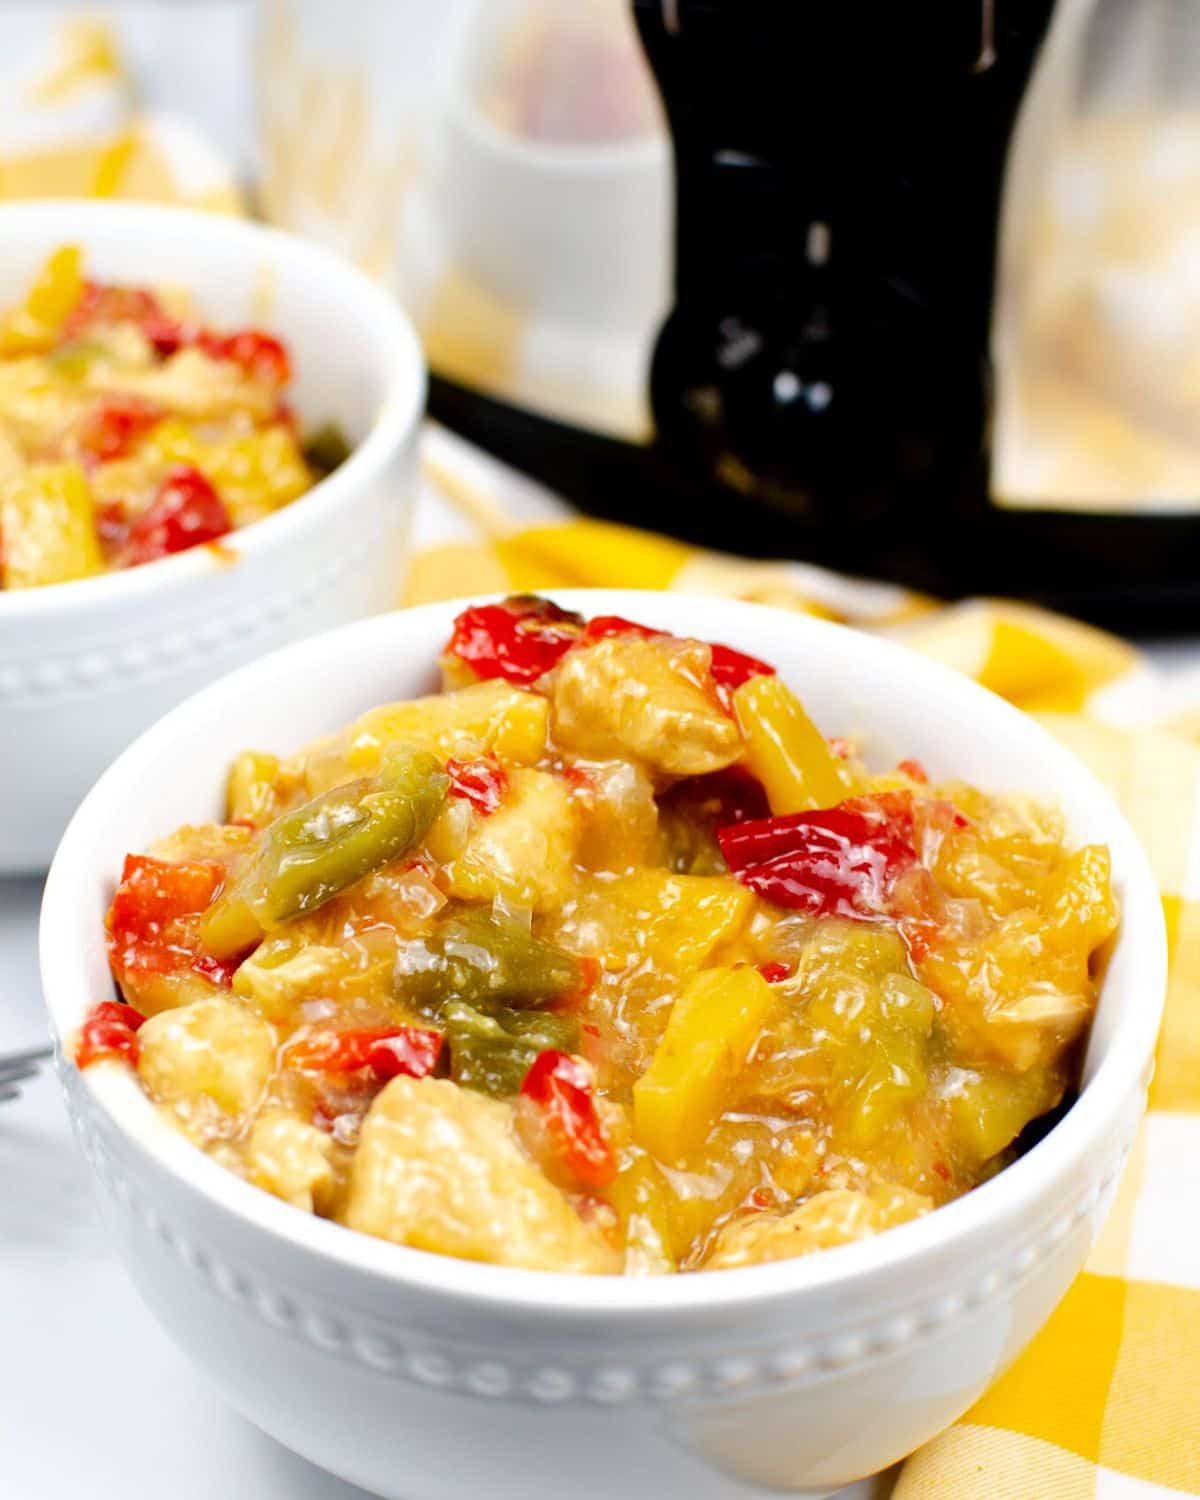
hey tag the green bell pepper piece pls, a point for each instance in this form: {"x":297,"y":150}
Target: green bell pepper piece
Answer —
{"x":484,"y":961}
{"x":491,"y":1053}
{"x":326,"y":449}
{"x":315,"y":851}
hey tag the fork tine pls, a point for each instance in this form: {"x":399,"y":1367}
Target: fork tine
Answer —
{"x":10,"y":1076}
{"x":17,"y":1068}
{"x":35,"y":1055}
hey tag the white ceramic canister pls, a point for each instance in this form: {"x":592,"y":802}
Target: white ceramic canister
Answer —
{"x":502,"y":163}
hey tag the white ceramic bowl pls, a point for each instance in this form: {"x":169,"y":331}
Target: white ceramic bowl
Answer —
{"x":86,"y":666}
{"x":427,"y":1378}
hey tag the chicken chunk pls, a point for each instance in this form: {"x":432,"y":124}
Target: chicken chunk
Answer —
{"x":835,"y":1217}
{"x":278,"y":976}
{"x":438,"y":1168}
{"x":645,"y":700}
{"x":212,"y":1053}
{"x":291,"y":1158}
{"x":525,"y":851}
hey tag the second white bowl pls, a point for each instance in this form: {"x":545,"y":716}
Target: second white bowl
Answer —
{"x":84,"y":667}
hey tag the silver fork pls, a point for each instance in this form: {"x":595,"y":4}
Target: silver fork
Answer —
{"x":17,"y":1068}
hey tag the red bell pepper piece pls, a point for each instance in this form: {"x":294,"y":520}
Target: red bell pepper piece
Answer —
{"x":775,"y":972}
{"x":186,"y":512}
{"x":110,"y":429}
{"x":559,"y":1088}
{"x":110,"y":1030}
{"x":386,"y":1050}
{"x":101,"y":303}
{"x":839,"y":861}
{"x":260,"y":354}
{"x":147,"y":930}
{"x":731,"y":668}
{"x":518,"y":640}
{"x":482,"y":782}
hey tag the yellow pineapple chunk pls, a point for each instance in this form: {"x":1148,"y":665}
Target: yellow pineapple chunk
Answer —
{"x":250,"y":795}
{"x":786,"y":750}
{"x":487,"y":718}
{"x":714,"y":1024}
{"x":48,"y":526}
{"x":38,"y":321}
{"x":258,"y":473}
{"x":671,"y":923}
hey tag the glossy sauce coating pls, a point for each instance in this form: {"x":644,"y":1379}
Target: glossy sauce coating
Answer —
{"x":605,"y":961}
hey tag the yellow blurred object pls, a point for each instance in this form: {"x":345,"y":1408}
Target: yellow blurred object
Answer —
{"x":254,"y":473}
{"x":88,"y":56}
{"x":588,"y":555}
{"x":76,"y":133}
{"x":36,"y":324}
{"x":257,"y":474}
{"x":1036,"y":659}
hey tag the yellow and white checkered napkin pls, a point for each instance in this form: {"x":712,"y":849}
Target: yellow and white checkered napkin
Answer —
{"x":71,"y":127}
{"x":1106,"y":1402}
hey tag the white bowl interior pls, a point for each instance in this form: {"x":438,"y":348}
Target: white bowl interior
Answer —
{"x":902,"y":704}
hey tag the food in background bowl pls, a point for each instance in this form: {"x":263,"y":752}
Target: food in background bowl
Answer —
{"x":130,"y":431}
{"x":85,"y":667}
{"x":605,"y":959}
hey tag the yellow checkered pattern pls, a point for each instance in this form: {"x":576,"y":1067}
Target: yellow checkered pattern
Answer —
{"x":1105,"y":1405}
